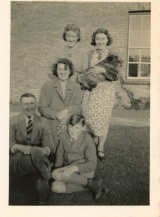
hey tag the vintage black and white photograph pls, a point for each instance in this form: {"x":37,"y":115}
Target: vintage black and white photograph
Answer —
{"x":82,"y":128}
{"x":80,"y":103}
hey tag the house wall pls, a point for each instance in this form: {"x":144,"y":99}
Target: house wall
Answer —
{"x":36,"y":32}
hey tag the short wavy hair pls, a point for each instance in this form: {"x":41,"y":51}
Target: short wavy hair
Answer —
{"x":74,"y":28}
{"x":67,"y":63}
{"x":104,"y":31}
{"x":75,"y":119}
{"x":27,"y":95}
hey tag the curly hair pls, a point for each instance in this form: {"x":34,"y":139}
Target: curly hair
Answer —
{"x":74,"y":28}
{"x":104,"y":31}
{"x":68,"y":65}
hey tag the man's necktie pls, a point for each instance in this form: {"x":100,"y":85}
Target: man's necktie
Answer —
{"x":72,"y":141}
{"x":30,"y":126}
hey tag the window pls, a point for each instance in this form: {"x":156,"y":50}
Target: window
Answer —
{"x":139,"y":46}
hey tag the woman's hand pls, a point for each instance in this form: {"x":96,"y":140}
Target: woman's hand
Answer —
{"x":62,"y":114}
{"x":65,"y":119}
{"x":96,"y":70}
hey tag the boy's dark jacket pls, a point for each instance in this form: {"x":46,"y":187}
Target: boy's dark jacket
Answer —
{"x":82,"y":153}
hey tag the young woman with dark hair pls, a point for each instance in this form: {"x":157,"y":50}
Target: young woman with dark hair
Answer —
{"x":97,"y":105}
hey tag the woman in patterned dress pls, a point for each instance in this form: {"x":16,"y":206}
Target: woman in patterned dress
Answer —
{"x":97,"y":105}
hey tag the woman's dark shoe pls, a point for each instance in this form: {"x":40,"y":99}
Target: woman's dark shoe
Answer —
{"x":101,"y":157}
{"x":100,"y":152}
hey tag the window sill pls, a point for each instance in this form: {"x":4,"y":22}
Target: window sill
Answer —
{"x":137,"y":82}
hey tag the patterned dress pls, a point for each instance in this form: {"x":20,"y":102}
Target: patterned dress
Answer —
{"x":97,"y":105}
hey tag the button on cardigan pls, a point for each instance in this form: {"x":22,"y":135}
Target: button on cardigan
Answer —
{"x":78,"y":56}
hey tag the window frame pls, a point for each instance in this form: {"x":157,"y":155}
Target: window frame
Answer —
{"x":138,"y":79}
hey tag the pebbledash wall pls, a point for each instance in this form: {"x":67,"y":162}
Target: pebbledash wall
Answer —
{"x":36,"y":33}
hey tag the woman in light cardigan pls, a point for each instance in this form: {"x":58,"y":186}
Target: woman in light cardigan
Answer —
{"x":77,"y":55}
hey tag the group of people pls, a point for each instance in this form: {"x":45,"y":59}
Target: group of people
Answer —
{"x":63,"y":143}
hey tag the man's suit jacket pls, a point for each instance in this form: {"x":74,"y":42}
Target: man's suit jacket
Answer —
{"x":41,"y":135}
{"x":82,"y":153}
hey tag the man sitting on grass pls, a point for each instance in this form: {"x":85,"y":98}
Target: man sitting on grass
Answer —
{"x":31,"y":147}
{"x":76,"y":161}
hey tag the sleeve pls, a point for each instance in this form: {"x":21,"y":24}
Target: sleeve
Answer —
{"x":59,"y":154}
{"x":12,"y":149}
{"x":12,"y":134}
{"x":84,"y":61}
{"x":47,"y":139}
{"x":44,"y":102}
{"x":91,"y":158}
{"x":76,"y":107}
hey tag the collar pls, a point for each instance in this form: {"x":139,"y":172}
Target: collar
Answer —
{"x":74,"y":138}
{"x":26,"y":119}
{"x":57,"y":84}
{"x":72,"y":50}
{"x":105,"y":50}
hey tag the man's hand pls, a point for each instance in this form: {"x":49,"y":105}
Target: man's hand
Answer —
{"x":62,"y":114}
{"x":25,"y":149}
{"x":96,"y":70}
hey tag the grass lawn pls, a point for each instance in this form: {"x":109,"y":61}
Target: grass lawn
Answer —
{"x":125,"y":171}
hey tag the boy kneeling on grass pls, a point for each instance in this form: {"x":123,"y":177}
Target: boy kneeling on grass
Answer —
{"x":76,"y":161}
